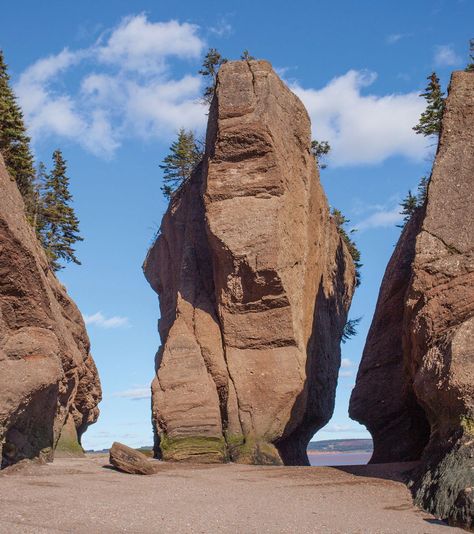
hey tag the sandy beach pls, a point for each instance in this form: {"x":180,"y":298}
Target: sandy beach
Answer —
{"x":84,"y":496}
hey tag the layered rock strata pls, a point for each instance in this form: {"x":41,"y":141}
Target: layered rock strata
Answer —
{"x":254,"y":284}
{"x":48,"y":379}
{"x":415,"y":386}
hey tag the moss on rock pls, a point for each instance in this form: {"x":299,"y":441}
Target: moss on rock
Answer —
{"x":200,"y":449}
{"x":252,"y":451}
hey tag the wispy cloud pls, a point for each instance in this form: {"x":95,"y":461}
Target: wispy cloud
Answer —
{"x":100,"y":320}
{"x":138,"y":393}
{"x":381,"y":218}
{"x":223,"y":28}
{"x":395,"y":37}
{"x":335,"y":428}
{"x":125,"y":87}
{"x":445,"y":56}
{"x":363,"y":129}
{"x":346,"y":363}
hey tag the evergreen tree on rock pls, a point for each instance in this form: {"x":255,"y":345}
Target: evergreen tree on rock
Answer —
{"x":61,"y":226}
{"x":341,"y":221}
{"x":320,"y":149}
{"x":430,"y":120}
{"x":178,"y":165}
{"x":14,"y":142}
{"x":210,"y":67}
{"x":470,"y":66}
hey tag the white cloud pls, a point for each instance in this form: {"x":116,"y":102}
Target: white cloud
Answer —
{"x":445,"y":56}
{"x":98,"y":319}
{"x":125,"y":88}
{"x":395,"y":37}
{"x":363,"y":129}
{"x":138,"y":393}
{"x":222,"y":29}
{"x":346,"y":363}
{"x":336,"y":428}
{"x":381,"y":219}
{"x":140,"y":45}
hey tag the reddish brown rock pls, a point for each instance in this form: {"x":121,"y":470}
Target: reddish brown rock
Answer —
{"x":254,"y":284}
{"x":130,"y":460}
{"x":47,"y":375}
{"x":430,"y":378}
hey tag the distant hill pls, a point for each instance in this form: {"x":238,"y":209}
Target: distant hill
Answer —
{"x":341,"y":445}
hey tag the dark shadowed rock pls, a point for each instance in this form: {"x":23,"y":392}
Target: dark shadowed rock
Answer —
{"x":254,"y":284}
{"x":130,"y":460}
{"x":429,"y":375}
{"x":47,"y":376}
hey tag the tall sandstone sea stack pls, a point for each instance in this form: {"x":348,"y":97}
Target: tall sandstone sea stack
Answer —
{"x":254,"y":284}
{"x":415,"y":385}
{"x":49,"y":387}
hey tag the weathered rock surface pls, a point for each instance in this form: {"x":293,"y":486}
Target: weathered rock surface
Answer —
{"x":48,"y":380}
{"x":426,"y":307}
{"x":130,"y":460}
{"x":254,"y":284}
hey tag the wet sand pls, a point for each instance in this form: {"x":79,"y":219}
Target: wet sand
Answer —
{"x":338,"y":458}
{"x":84,"y":496}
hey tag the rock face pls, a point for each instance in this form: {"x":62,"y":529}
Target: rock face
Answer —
{"x":415,"y":386}
{"x":130,"y":460}
{"x":48,"y":380}
{"x":254,"y":284}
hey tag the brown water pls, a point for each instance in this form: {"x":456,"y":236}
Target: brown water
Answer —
{"x":339,"y":458}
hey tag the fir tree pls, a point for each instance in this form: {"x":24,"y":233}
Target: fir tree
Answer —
{"x":246,"y":56}
{"x":320,"y":149}
{"x":210,"y":67}
{"x":470,"y":66}
{"x":409,"y":205}
{"x":61,"y":226}
{"x":185,"y":154}
{"x":38,"y":219}
{"x":430,"y":119}
{"x":341,"y":221}
{"x":14,"y":142}
{"x":350,"y":329}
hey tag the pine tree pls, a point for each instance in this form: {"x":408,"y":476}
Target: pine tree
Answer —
{"x":350,"y":329}
{"x":210,"y":67}
{"x":470,"y":66}
{"x":246,"y":56}
{"x":38,"y":219}
{"x":341,"y":221}
{"x":61,"y":226}
{"x":320,"y":149}
{"x":409,"y":205}
{"x":185,"y":154}
{"x":430,"y":119}
{"x":14,"y":142}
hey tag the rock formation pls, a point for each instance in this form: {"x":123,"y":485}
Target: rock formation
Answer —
{"x":415,"y":386}
{"x":48,"y":380}
{"x":254,"y":284}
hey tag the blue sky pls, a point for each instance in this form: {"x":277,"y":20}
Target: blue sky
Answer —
{"x":110,"y":83}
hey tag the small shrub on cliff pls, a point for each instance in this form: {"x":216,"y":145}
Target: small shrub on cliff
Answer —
{"x":341,"y":221}
{"x":245,"y":56}
{"x":185,"y":154}
{"x":430,"y":119}
{"x":210,"y":67}
{"x":470,"y":66}
{"x":14,"y":142}
{"x":320,"y":149}
{"x":59,"y":224}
